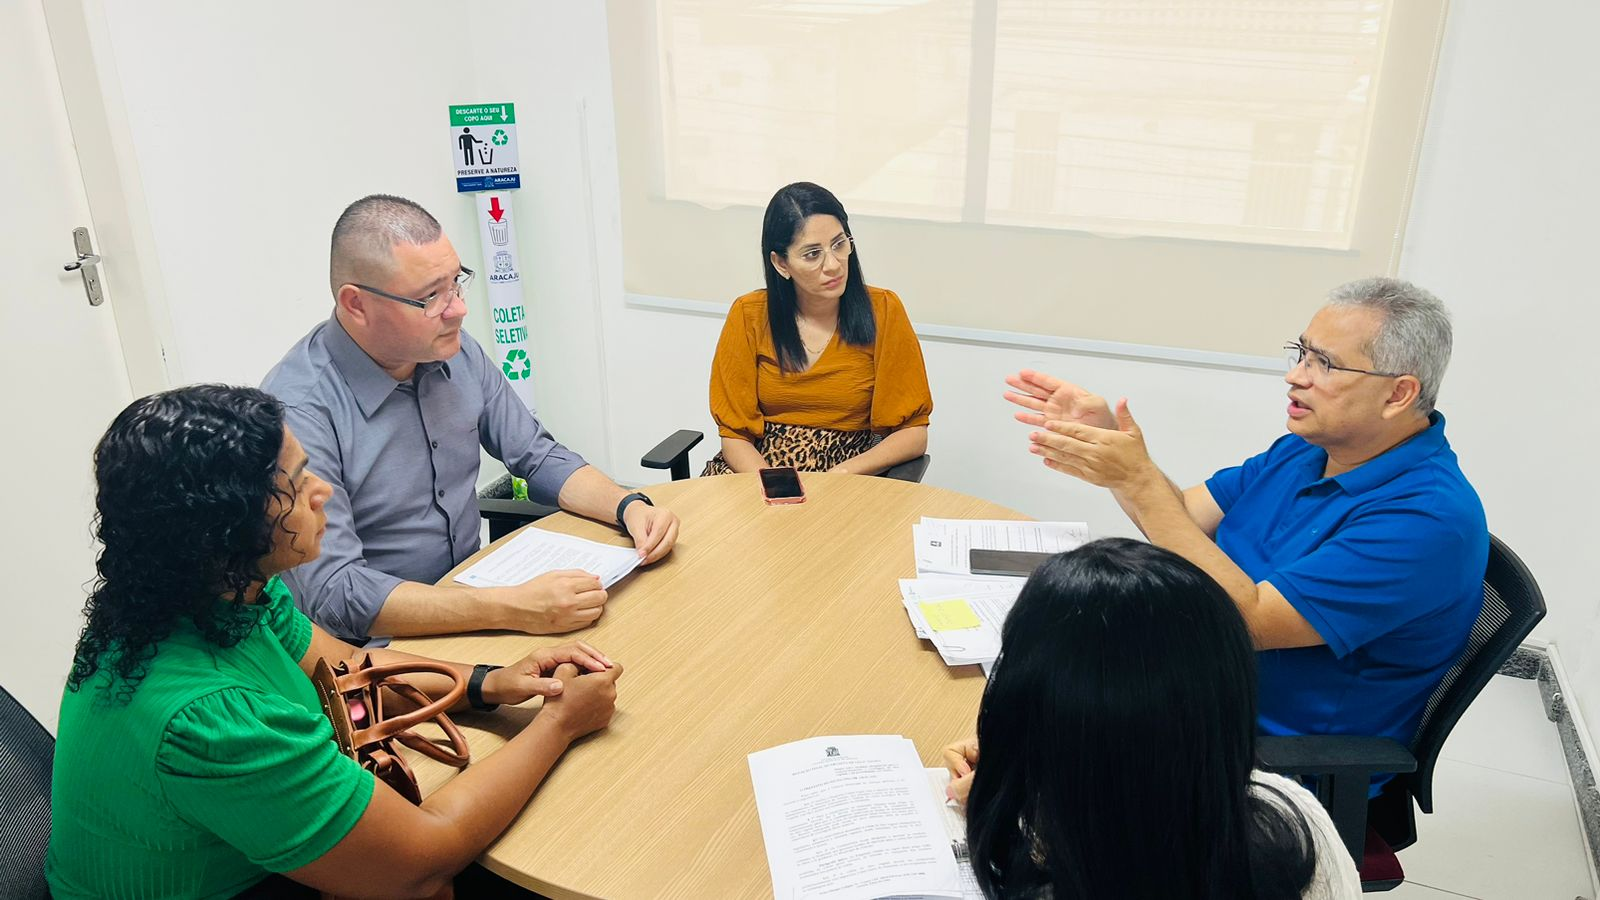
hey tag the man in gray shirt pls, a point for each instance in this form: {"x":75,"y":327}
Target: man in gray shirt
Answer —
{"x":391,"y":400}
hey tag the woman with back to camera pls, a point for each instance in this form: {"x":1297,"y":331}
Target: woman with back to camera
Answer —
{"x":1118,"y":734}
{"x":818,"y":371}
{"x":193,"y":757}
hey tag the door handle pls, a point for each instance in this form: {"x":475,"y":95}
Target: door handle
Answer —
{"x":86,"y":265}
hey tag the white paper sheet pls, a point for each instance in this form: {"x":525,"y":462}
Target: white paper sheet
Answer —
{"x":975,"y":645}
{"x":943,"y":545}
{"x":535,"y":551}
{"x":852,"y":817}
{"x":955,"y":824}
{"x":990,"y":599}
{"x":930,"y":589}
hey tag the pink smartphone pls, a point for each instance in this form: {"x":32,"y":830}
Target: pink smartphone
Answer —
{"x":782,"y":485}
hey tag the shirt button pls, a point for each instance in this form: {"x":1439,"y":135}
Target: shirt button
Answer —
{"x":435,"y":445}
{"x":441,"y":493}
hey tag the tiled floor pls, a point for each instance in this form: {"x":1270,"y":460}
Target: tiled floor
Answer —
{"x":1504,"y":825}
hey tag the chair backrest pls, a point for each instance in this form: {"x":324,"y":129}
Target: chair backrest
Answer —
{"x":1512,"y":605}
{"x":26,"y":752}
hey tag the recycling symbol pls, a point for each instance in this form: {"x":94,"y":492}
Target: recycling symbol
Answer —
{"x":510,"y":368}
{"x":500,"y":137}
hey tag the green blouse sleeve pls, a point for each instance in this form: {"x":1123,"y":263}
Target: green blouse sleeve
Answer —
{"x":262,"y":773}
{"x":284,"y":620}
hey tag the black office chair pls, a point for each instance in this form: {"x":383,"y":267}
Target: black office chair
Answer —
{"x":506,"y":514}
{"x":26,"y":753}
{"x":673,"y":454}
{"x":1343,"y":765}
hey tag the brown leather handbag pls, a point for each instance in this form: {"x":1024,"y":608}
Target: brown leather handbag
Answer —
{"x":353,"y":698}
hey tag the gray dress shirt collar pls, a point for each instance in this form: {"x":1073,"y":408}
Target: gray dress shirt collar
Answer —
{"x":368,"y":382}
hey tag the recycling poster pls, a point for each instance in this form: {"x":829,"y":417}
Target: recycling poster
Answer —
{"x":483,"y":140}
{"x":508,"y":316}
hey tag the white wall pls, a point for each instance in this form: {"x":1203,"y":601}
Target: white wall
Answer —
{"x":1502,"y":228}
{"x":253,"y":130}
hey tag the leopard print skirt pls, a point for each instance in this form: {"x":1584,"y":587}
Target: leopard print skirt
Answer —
{"x":807,"y":449}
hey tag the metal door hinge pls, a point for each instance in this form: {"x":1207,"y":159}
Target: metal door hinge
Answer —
{"x":86,"y":266}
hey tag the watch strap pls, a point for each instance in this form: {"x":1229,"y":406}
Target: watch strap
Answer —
{"x":475,"y":687}
{"x":636,"y":495}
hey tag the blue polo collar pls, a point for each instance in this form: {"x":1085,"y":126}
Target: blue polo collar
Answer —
{"x":367,"y":380}
{"x":1386,"y":467}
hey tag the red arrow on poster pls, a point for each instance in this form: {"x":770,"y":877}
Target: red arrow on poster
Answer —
{"x":495,"y":212}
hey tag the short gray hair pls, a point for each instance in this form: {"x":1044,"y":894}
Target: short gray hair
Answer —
{"x":367,"y":232}
{"x":1414,"y":336}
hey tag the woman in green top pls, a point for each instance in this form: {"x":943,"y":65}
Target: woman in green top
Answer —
{"x":193,"y":758}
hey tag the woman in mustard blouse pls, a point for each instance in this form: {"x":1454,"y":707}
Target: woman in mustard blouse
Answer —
{"x":819,"y":371}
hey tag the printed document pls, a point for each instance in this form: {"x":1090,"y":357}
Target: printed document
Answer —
{"x":971,"y":609}
{"x":955,"y":824}
{"x":989,"y":600}
{"x":943,"y":545}
{"x":852,"y":817}
{"x":966,"y":646}
{"x":534,"y":551}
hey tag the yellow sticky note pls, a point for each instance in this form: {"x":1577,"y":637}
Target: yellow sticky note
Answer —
{"x":949,"y":615}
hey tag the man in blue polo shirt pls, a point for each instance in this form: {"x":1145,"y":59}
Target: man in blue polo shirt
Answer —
{"x":1354,"y":546}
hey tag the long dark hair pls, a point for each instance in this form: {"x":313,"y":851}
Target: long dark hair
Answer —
{"x":786,"y":214}
{"x":1117,"y":737}
{"x":184,"y":480}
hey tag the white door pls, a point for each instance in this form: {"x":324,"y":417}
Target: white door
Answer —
{"x":62,"y":377}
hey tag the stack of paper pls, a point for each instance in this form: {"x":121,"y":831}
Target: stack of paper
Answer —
{"x":955,"y":825}
{"x":962,"y":613}
{"x":942,"y":545}
{"x":534,"y":551}
{"x":855,"y":817}
{"x":962,"y":617}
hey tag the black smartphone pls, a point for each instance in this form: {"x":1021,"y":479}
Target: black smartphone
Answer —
{"x":1005,"y":562}
{"x":782,"y":485}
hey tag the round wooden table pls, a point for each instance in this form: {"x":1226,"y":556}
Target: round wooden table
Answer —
{"x":766,"y":624}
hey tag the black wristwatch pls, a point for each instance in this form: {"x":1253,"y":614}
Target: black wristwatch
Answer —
{"x":475,"y":687}
{"x":624,"y":505}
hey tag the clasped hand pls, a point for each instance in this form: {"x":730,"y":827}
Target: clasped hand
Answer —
{"x":578,"y":684}
{"x":535,"y":674}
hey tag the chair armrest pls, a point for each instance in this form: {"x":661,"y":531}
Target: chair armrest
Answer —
{"x":911,"y":470}
{"x":1334,"y":754}
{"x":526,"y":510}
{"x":673,"y":453}
{"x":506,"y":516}
{"x":1343,"y":766}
